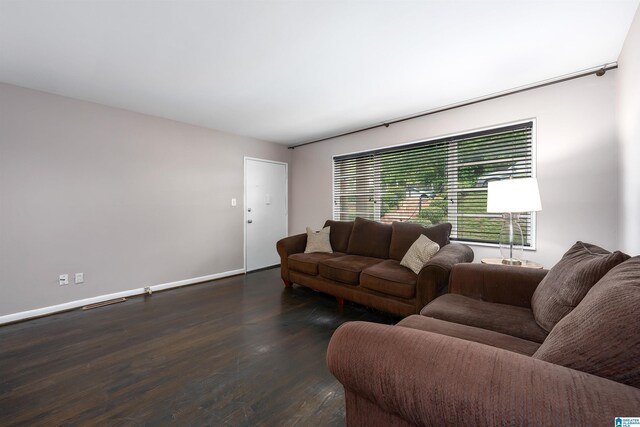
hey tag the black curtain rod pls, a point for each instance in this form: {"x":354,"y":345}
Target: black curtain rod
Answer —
{"x":599,"y":72}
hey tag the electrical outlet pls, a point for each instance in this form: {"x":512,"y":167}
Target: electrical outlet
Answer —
{"x":63,"y":279}
{"x":79,"y":278}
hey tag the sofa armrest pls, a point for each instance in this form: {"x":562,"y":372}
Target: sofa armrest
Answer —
{"x":425,"y":378}
{"x":496,"y":283}
{"x":291,"y":245}
{"x":434,"y":276}
{"x":287,"y":246}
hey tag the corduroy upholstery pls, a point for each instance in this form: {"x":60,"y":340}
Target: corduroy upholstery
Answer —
{"x":502,"y":318}
{"x":570,"y":280}
{"x":602,"y":334}
{"x":496,"y":283}
{"x":399,"y":376}
{"x":470,"y":333}
{"x":365,"y":273}
{"x":428,"y":371}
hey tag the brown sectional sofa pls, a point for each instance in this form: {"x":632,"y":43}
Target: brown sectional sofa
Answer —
{"x":478,"y":356}
{"x":365,"y":264}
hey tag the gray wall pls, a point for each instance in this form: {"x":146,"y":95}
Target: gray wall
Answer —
{"x":628,"y":116}
{"x":576,"y":159}
{"x":130,"y":200}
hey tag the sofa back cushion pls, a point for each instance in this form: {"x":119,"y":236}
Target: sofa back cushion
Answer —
{"x":569,"y":280}
{"x":404,"y":234}
{"x":340,"y":234}
{"x":601,"y":335}
{"x":369,"y":238}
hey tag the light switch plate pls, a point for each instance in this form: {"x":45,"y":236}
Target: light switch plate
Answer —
{"x":233,"y":202}
{"x":63,"y":279}
{"x":79,"y":278}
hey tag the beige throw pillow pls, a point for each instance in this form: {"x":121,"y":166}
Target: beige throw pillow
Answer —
{"x":318,"y":241}
{"x":420,"y":253}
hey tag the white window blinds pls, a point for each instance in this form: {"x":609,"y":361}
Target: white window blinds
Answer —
{"x":435,"y":181}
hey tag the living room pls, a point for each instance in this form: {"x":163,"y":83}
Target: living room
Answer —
{"x":116,"y":165}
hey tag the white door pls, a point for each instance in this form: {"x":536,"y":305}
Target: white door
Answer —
{"x":266,"y":214}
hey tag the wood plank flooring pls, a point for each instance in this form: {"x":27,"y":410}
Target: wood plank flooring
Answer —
{"x":242,"y":351}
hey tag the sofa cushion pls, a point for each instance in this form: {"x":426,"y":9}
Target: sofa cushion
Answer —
{"x":470,"y":333}
{"x":502,"y":318}
{"x":345,"y":269}
{"x":601,"y":335}
{"x":370,"y":239}
{"x":340,"y":234}
{"x":308,"y":263}
{"x":405,"y":233}
{"x":569,"y":280}
{"x":389,"y":277}
{"x":318,"y":241}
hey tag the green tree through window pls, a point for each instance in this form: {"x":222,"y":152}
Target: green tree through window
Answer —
{"x":435,"y":181}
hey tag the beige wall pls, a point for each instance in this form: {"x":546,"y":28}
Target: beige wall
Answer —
{"x":576,"y":161}
{"x":628,"y":118}
{"x":133,"y":200}
{"x":130,"y":200}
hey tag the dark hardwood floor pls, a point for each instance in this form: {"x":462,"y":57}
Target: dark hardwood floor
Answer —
{"x":238,"y":351}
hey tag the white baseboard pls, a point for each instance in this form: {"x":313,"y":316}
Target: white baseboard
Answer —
{"x":38,"y":312}
{"x":196,"y":280}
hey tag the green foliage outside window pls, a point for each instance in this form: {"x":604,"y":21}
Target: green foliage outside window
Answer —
{"x":436,"y":182}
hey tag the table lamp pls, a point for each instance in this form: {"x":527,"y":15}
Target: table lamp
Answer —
{"x":510,"y":197}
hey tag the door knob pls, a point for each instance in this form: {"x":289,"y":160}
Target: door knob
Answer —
{"x":249,"y":221}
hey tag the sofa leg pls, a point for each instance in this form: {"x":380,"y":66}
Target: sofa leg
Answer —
{"x":287,"y":283}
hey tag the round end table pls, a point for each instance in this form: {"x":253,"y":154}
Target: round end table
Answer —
{"x":525,"y":263}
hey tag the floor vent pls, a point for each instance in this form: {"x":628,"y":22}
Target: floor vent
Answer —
{"x":103,"y":303}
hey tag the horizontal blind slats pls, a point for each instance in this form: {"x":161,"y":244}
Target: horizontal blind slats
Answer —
{"x":442,"y":180}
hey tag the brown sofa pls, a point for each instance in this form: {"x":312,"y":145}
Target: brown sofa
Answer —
{"x":478,"y":356}
{"x":365,"y":264}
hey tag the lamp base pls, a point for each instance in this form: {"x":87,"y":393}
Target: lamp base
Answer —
{"x":511,"y":240}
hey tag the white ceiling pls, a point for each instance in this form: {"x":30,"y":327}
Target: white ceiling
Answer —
{"x":294,"y":71}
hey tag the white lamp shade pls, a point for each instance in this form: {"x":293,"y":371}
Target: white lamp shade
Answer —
{"x":513,"y":195}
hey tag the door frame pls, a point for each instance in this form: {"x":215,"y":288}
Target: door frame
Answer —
{"x":244,"y":207}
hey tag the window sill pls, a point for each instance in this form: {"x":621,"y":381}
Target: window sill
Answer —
{"x":490,"y":245}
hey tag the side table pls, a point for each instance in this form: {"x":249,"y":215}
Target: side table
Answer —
{"x":525,"y":263}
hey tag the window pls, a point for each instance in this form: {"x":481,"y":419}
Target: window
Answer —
{"x":435,"y":181}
